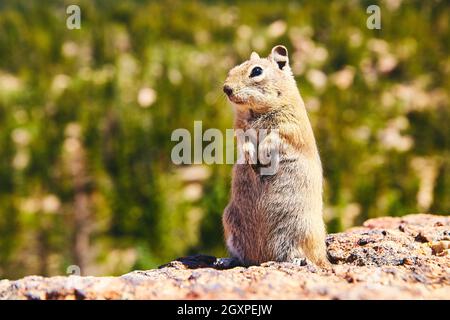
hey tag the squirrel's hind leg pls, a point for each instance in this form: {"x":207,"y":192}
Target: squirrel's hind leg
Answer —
{"x":314,"y":247}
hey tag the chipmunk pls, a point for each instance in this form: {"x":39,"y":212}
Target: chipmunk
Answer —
{"x":274,"y":217}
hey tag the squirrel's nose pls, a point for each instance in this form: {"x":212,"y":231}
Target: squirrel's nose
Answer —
{"x":228,"y":91}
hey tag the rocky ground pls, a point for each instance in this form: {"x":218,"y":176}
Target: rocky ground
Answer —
{"x":386,"y":258}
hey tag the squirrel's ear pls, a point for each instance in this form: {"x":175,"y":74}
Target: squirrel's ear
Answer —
{"x":279,"y":55}
{"x":254,"y":56}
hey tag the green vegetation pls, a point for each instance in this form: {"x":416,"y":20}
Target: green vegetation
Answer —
{"x":86,"y":118}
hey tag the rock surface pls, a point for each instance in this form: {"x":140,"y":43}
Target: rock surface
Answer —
{"x":386,"y":258}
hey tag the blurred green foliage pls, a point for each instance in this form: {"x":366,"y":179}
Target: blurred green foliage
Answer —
{"x":86,"y":118}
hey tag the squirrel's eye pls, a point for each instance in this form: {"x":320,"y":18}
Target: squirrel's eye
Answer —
{"x":256,"y":71}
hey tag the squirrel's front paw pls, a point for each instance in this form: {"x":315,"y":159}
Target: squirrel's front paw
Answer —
{"x":268,"y":147}
{"x":248,"y":148}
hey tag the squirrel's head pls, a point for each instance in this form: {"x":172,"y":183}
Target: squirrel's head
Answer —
{"x":261,"y":83}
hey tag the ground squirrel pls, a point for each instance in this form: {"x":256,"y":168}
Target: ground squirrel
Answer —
{"x":274,"y":217}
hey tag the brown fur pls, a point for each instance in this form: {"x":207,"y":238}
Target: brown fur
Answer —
{"x":274,"y":217}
